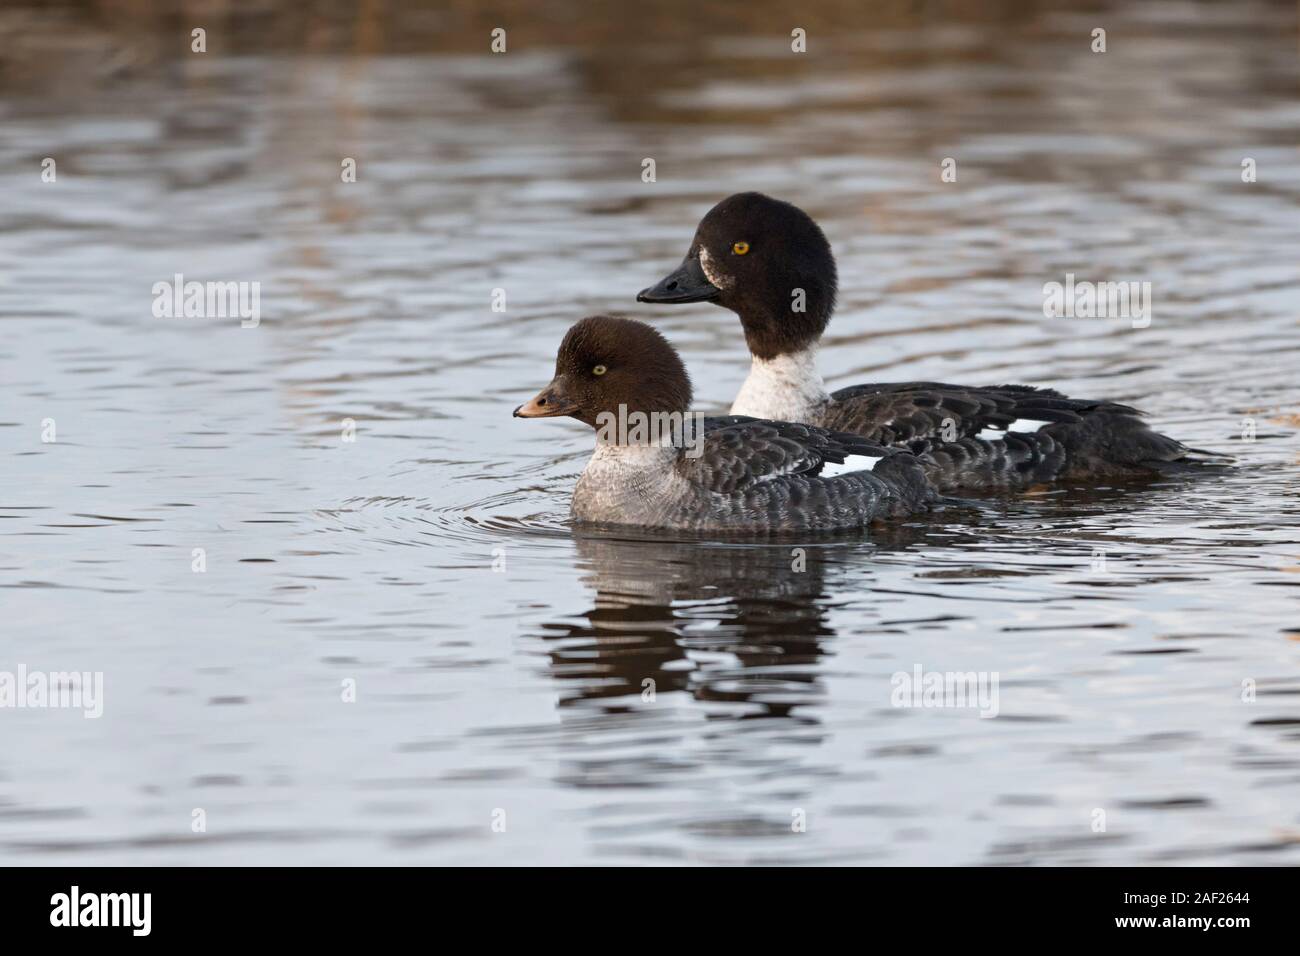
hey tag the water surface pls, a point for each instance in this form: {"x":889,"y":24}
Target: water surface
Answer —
{"x":500,"y":656}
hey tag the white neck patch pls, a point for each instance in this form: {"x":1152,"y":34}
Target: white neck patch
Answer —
{"x":786,"y":388}
{"x":615,"y":461}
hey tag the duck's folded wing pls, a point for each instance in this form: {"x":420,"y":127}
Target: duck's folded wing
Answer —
{"x":739,"y":453}
{"x":898,"y":413}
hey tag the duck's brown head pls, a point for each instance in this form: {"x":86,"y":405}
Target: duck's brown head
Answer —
{"x":606,"y":362}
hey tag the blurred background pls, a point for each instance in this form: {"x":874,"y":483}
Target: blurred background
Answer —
{"x":499,"y":655}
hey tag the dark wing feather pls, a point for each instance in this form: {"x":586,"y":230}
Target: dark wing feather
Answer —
{"x":903,"y":412}
{"x":740,"y":453}
{"x":1012,"y":463}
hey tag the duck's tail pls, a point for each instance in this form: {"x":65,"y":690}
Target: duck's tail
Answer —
{"x":1195,"y":461}
{"x":1118,"y":444}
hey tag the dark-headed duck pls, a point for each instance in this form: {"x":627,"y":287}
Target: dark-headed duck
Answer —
{"x":770,"y":263}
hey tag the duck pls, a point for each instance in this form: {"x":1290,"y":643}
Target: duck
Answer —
{"x":769,"y":262}
{"x":727,"y":474}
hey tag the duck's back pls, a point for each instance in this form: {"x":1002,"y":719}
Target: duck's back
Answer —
{"x":1004,"y":437}
{"x":787,"y":476}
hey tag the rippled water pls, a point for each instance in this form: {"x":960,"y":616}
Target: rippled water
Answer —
{"x":1122,"y":621}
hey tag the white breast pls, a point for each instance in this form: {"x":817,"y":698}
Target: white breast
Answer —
{"x":628,"y":484}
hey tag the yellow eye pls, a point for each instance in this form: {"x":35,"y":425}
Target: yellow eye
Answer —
{"x":740,"y":248}
{"x":599,"y":370}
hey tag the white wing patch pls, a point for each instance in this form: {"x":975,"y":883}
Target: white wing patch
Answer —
{"x":1019,"y":425}
{"x":851,"y":463}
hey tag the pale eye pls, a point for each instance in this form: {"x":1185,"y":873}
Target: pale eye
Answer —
{"x":740,"y":248}
{"x":599,"y":370}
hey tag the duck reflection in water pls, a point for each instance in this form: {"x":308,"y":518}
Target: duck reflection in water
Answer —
{"x":737,"y":624}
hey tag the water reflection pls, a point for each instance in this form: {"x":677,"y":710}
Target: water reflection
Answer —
{"x":738,"y":624}
{"x":731,"y":623}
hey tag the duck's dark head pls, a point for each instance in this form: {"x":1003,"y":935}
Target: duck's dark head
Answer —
{"x":605,"y":362}
{"x":768,"y":262}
